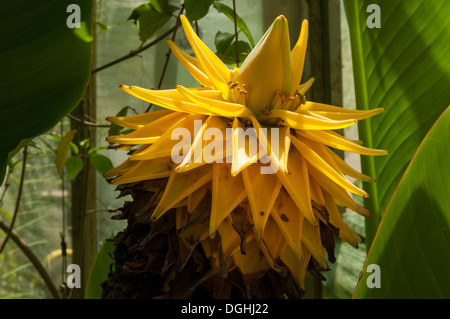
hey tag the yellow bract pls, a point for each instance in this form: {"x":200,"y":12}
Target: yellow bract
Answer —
{"x":277,"y":200}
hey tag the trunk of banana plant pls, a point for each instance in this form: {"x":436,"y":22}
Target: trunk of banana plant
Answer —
{"x":164,"y":259}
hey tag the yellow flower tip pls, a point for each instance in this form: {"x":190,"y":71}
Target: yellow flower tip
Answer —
{"x":281,"y":18}
{"x":268,"y":67}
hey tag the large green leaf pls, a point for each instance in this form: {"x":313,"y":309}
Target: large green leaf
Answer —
{"x":99,"y":273}
{"x":403,"y":66}
{"x":45,"y":66}
{"x":412,"y":246}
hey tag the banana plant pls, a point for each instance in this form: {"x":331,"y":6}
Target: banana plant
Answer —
{"x":401,"y":62}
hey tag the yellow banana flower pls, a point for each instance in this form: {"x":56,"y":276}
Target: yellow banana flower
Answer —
{"x":271,"y":204}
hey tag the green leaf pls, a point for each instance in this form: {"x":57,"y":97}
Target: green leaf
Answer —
{"x":74,"y":165}
{"x":229,"y":56}
{"x":101,"y":163}
{"x":138,"y":11}
{"x":62,"y":149}
{"x":161,"y":6}
{"x":103,"y":264}
{"x":223,"y":41}
{"x":149,"y":20}
{"x":73,"y":146}
{"x":45,"y":67}
{"x":240,"y":23}
{"x":197,"y":9}
{"x":413,"y":241}
{"x":403,"y":66}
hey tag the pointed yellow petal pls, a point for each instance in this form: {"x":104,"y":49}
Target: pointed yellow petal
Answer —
{"x":298,"y":54}
{"x":339,"y":113}
{"x":202,"y":149}
{"x":164,"y":146}
{"x":193,"y":157}
{"x":274,"y":142}
{"x":297,"y":184}
{"x":252,"y":264}
{"x":139,"y":120}
{"x":149,"y":133}
{"x":305,"y":122}
{"x":217,"y":72}
{"x":144,"y":170}
{"x":194,"y":199}
{"x":340,"y":195}
{"x":181,"y":185}
{"x":345,"y":232}
{"x":244,"y":153}
{"x":296,"y":266}
{"x":273,"y":244}
{"x":290,"y":221}
{"x":335,"y":140}
{"x":169,"y":99}
{"x":262,"y":191}
{"x":302,"y":88}
{"x":320,"y":150}
{"x":191,"y":64}
{"x":316,"y":192}
{"x":229,"y":238}
{"x":320,"y":107}
{"x":218,"y":107}
{"x":347,"y":169}
{"x":312,"y":241}
{"x":320,"y":164}
{"x":227,"y":192}
{"x":121,"y":169}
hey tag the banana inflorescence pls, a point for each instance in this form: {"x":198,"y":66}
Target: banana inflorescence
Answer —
{"x":275,"y":207}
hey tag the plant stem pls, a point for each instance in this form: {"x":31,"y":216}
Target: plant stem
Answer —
{"x":236,"y":33}
{"x":133,"y":53}
{"x":32,"y":257}
{"x":87,"y":123}
{"x":19,"y":195}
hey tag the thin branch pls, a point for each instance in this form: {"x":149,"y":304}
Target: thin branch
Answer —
{"x":32,"y":257}
{"x":86,"y":122}
{"x":46,"y":144}
{"x":2,"y":196}
{"x":19,"y":196}
{"x":236,"y":33}
{"x":134,"y":52}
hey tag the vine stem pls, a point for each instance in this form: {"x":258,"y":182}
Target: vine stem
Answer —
{"x":19,"y":196}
